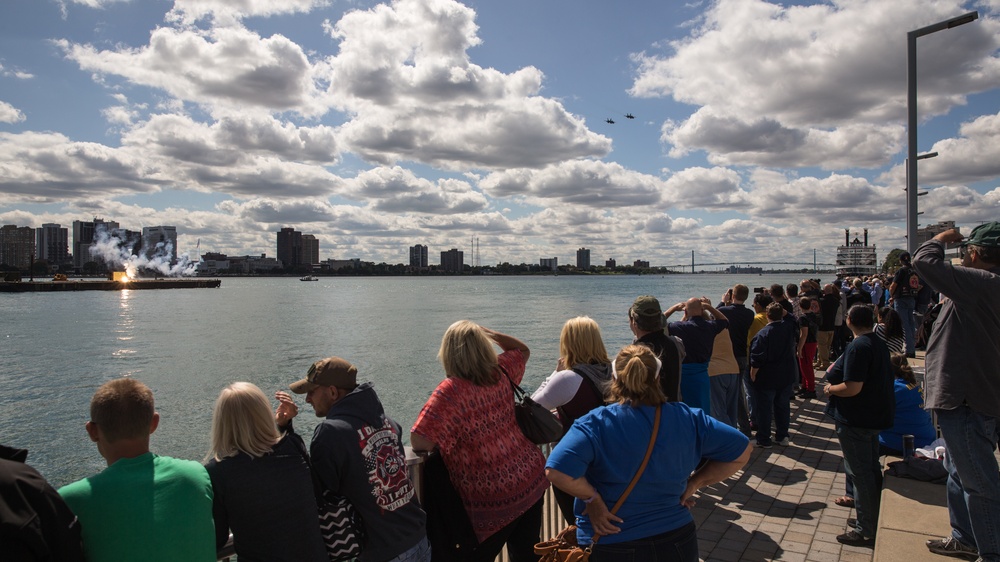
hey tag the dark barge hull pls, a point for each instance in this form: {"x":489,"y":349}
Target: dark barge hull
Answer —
{"x":54,"y":286}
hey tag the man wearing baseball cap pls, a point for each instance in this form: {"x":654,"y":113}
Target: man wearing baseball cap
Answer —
{"x":647,"y":323}
{"x":357,"y":452}
{"x":963,"y":384}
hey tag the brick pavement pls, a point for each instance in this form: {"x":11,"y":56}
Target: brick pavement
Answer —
{"x":781,"y":505}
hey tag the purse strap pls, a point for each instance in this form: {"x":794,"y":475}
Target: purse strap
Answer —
{"x":519,"y":392}
{"x":642,"y":468}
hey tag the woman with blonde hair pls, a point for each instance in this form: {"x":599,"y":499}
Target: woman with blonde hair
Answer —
{"x":603,"y":452}
{"x":578,"y":384}
{"x":497,"y":472}
{"x":261,"y":480}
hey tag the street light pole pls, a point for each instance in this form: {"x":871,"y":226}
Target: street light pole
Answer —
{"x":911,"y":121}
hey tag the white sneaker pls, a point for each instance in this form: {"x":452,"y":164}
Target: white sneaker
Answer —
{"x":783,"y":442}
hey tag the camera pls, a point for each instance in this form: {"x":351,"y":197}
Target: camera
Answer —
{"x":761,"y":290}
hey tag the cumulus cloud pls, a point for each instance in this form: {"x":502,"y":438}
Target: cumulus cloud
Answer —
{"x":395,"y":190}
{"x":9,"y":113}
{"x":225,"y":12}
{"x":403,"y":70}
{"x":590,"y":183}
{"x":969,"y":158}
{"x":231,"y":67}
{"x":698,"y":188}
{"x":823,"y":79}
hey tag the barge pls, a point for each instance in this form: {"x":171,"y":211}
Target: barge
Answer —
{"x":130,"y":285}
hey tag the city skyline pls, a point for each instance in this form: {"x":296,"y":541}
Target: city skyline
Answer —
{"x":760,"y":129}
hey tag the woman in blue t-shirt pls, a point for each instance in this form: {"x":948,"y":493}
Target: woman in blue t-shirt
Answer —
{"x":603,"y":450}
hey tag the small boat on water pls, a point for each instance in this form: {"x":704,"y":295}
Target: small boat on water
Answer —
{"x":308,"y":278}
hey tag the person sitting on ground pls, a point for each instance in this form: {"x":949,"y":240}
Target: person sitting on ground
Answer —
{"x":603,"y":452}
{"x":860,"y":387}
{"x":773,"y":373}
{"x":143,"y":506}
{"x":890,"y":330}
{"x":262,"y":482}
{"x":911,"y":417}
{"x":648,"y":325}
{"x":698,"y":335}
{"x":36,"y":525}
{"x":578,"y":384}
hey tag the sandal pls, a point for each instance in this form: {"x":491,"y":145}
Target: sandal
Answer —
{"x":844,"y":501}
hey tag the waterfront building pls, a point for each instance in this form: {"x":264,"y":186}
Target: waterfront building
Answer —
{"x":310,"y":250}
{"x":157,"y":241}
{"x":748,"y":270}
{"x":583,"y":258}
{"x":333,"y":265}
{"x":84,"y":233}
{"x":551,"y":264}
{"x":453,"y":261}
{"x":17,"y":246}
{"x":251,"y":265}
{"x":856,"y":258}
{"x":418,"y":256}
{"x":930,"y":231}
{"x":52,"y":243}
{"x":611,"y":263}
{"x":289,"y":247}
{"x":642,"y":264}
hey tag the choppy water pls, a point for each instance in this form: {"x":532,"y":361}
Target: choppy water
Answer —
{"x":186,"y":344}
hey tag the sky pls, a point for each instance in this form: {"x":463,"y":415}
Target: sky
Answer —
{"x":761,"y":130}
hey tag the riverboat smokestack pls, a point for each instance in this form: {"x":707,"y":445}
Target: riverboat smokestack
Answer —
{"x":847,"y":236}
{"x":866,"y":237}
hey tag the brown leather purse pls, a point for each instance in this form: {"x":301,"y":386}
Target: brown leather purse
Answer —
{"x":563,"y":547}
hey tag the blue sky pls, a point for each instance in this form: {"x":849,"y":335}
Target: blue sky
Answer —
{"x":762,"y":130}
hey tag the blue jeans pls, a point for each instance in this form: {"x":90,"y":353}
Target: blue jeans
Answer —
{"x":973,"y":478}
{"x":772,"y":405}
{"x":862,"y":466}
{"x":905,"y":306}
{"x":679,"y":545}
{"x":421,"y":552}
{"x":726,"y":391}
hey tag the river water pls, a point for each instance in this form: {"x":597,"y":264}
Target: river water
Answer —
{"x":186,"y":344}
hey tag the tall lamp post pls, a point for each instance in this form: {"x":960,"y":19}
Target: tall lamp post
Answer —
{"x":911,"y":122}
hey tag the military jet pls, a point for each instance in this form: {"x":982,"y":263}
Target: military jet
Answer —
{"x":629,"y":116}
{"x":609,"y":121}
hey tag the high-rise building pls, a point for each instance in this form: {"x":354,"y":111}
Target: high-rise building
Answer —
{"x":418,"y":256}
{"x":84,"y":233}
{"x":17,"y":245}
{"x":310,"y":250}
{"x":453,"y":261}
{"x":551,"y":264}
{"x":289,"y":247}
{"x":52,"y":243}
{"x":160,"y":241}
{"x":611,"y":263}
{"x":583,"y":258}
{"x":930,"y":231}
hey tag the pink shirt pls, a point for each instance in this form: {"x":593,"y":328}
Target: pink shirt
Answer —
{"x":498,"y":473}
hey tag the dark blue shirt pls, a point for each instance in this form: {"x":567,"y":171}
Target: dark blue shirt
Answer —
{"x":772,"y":352}
{"x":740,"y":317}
{"x":698,"y":336}
{"x":866,"y":360}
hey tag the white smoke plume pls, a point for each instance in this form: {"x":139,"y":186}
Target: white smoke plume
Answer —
{"x":118,"y":253}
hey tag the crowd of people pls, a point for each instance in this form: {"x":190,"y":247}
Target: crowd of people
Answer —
{"x":642,"y":432}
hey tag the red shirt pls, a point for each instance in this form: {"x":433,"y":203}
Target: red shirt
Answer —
{"x":498,"y":473}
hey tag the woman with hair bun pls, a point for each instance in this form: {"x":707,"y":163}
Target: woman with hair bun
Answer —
{"x":602,"y":452}
{"x":261,"y":481}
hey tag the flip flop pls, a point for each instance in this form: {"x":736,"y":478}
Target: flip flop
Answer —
{"x":844,"y":501}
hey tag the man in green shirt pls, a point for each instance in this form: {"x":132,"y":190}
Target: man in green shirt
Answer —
{"x":143,"y":506}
